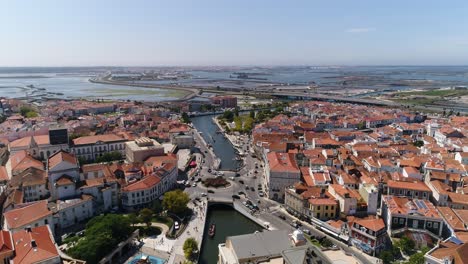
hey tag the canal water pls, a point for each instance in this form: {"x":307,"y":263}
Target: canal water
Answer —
{"x":228,"y":223}
{"x":221,"y":145}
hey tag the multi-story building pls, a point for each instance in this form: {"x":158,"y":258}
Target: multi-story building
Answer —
{"x":32,"y":182}
{"x":281,"y":172}
{"x":161,"y":176}
{"x":416,"y":189}
{"x":347,"y":198}
{"x":35,"y":245}
{"x":39,"y":147}
{"x":368,"y":234}
{"x":28,"y":215}
{"x":91,"y":147}
{"x":142,"y":148}
{"x":370,"y":194}
{"x":225,"y":101}
{"x":401,"y":214}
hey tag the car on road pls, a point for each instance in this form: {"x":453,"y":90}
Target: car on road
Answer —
{"x":282,"y":217}
{"x":203,"y":194}
{"x":237,"y":174}
{"x":209,"y":170}
{"x":235,"y":196}
{"x":241,"y":182}
{"x":231,"y":178}
{"x":252,"y":189}
{"x":199,"y":180}
{"x":205,"y":151}
{"x":194,"y":184}
{"x":306,"y":231}
{"x":255,"y":172}
{"x":176,"y":225}
{"x":241,"y":193}
{"x":192,"y":179}
{"x":260,"y":193}
{"x":187,"y":184}
{"x":211,"y":191}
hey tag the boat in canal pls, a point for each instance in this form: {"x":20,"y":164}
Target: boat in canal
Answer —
{"x":212,"y":230}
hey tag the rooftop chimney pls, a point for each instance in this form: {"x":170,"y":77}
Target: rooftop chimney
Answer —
{"x":33,"y":243}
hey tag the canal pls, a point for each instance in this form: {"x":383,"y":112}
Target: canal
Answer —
{"x":221,"y":145}
{"x":228,"y":223}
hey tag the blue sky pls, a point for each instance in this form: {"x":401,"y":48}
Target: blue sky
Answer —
{"x":313,"y":32}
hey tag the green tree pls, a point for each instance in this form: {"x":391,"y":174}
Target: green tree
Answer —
{"x":103,"y":233}
{"x":418,"y":143}
{"x":185,"y":118}
{"x":406,"y":245}
{"x":27,"y":111}
{"x":228,"y":115}
{"x":156,"y":206}
{"x":190,"y":247}
{"x":133,"y":218}
{"x":146,"y":215}
{"x":176,"y":201}
{"x":252,"y":114}
{"x":236,"y":111}
{"x":109,"y":156}
{"x":386,"y":256}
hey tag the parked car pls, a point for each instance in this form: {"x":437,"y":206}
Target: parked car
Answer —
{"x":241,"y":181}
{"x":199,"y":180}
{"x":211,"y":191}
{"x":194,"y":184}
{"x":176,"y":225}
{"x":260,"y":193}
{"x":282,"y":217}
{"x":235,"y":196}
{"x":241,"y":193}
{"x":252,"y":189}
{"x":203,"y":194}
{"x":306,"y":231}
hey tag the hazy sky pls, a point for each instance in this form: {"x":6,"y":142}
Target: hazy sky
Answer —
{"x":223,"y":32}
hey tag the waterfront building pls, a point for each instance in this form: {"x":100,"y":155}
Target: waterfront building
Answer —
{"x":226,"y":101}
{"x":159,"y":176}
{"x":281,"y":172}
{"x":276,"y":246}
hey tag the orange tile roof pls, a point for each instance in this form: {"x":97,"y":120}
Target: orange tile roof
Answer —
{"x":451,"y":218}
{"x":93,"y":139}
{"x":44,"y":250}
{"x":404,"y":206}
{"x":3,"y":174}
{"x":457,"y":253}
{"x":417,"y":185}
{"x":322,"y":201}
{"x":375,"y":224}
{"x":458,"y":198}
{"x":282,"y":162}
{"x":6,"y":243}
{"x":21,"y":160}
{"x":146,"y":183}
{"x":60,"y":156}
{"x":22,"y":216}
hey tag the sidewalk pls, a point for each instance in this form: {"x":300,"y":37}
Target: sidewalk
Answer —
{"x":194,"y":229}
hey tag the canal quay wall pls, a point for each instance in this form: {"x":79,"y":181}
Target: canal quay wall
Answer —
{"x":217,"y":161}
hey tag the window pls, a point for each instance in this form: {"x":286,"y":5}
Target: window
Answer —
{"x":318,"y":207}
{"x":436,"y":225}
{"x":326,"y":214}
{"x":402,"y":221}
{"x":424,"y":194}
{"x":326,"y":207}
{"x":333,"y":207}
{"x":395,"y":220}
{"x":429,"y":224}
{"x":318,"y":215}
